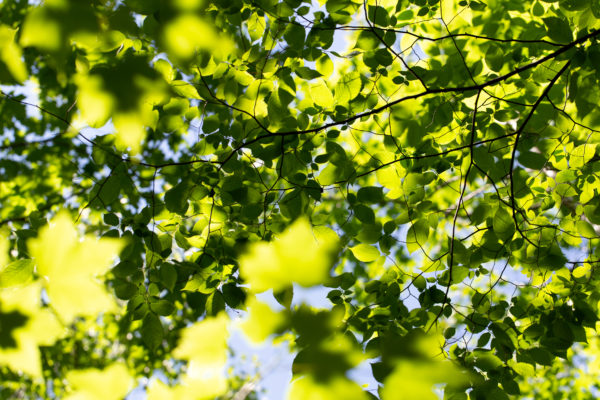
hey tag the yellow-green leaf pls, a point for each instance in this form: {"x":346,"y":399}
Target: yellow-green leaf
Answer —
{"x":415,"y":380}
{"x":581,"y":155}
{"x":262,"y":321}
{"x":581,"y":273}
{"x":297,"y":256}
{"x":16,"y":273}
{"x":11,"y":55}
{"x":71,"y":268}
{"x":586,"y":229}
{"x":321,"y":95}
{"x":111,"y":383}
{"x":184,"y":89}
{"x":338,"y":387}
{"x":365,"y":253}
{"x":41,"y":30}
{"x":205,"y":342}
{"x":35,"y":326}
{"x":417,"y":235}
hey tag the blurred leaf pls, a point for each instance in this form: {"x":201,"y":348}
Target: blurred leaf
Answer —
{"x":297,"y":256}
{"x":72,"y":267}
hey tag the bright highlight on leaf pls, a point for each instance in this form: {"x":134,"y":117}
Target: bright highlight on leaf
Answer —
{"x":204,"y":345}
{"x":262,"y":321}
{"x":414,"y":380}
{"x":126,"y":92}
{"x":205,"y":342}
{"x":71,"y":268}
{"x":321,"y":95}
{"x":307,"y":387}
{"x":192,"y":386}
{"x":18,"y":272}
{"x":41,"y":30}
{"x":452,"y":145}
{"x":295,"y":257}
{"x":110,"y":383}
{"x":25,"y":327}
{"x":365,"y":253}
{"x":188,"y":34}
{"x":11,"y":55}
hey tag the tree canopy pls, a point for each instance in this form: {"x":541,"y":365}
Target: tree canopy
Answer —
{"x":171,"y":171}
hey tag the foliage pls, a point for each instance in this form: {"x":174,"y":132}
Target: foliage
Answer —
{"x":440,"y":176}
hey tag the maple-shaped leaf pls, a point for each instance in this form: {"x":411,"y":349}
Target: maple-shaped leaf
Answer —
{"x":301,"y":255}
{"x":71,"y":267}
{"x":111,"y":383}
{"x":205,"y":342}
{"x":24,"y":326}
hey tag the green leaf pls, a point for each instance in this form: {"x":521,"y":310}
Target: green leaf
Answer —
{"x":537,"y":9}
{"x":301,"y":255}
{"x":503,"y":224}
{"x":581,"y":273}
{"x":558,"y":29}
{"x":595,"y":7}
{"x":87,"y":383}
{"x":573,"y":5}
{"x":532,"y":160}
{"x":125,"y":290}
{"x":307,"y":73}
{"x":365,"y":252}
{"x":152,"y":331}
{"x":488,"y":362}
{"x":540,"y":356}
{"x":494,"y":58}
{"x":378,"y":15}
{"x":110,"y":219}
{"x":582,"y":154}
{"x":59,"y":252}
{"x":370,"y":194}
{"x":294,"y":34}
{"x":168,"y":276}
{"x":483,"y":339}
{"x":145,"y":7}
{"x":262,"y":321}
{"x":325,"y":65}
{"x":162,"y":307}
{"x":19,"y":272}
{"x":285,"y":296}
{"x":321,"y":95}
{"x":233,"y":295}
{"x":176,"y":198}
{"x":417,"y":235}
{"x":586,"y":230}
{"x":205,"y":342}
{"x":348,"y":87}
{"x":125,"y":268}
{"x":364,"y":214}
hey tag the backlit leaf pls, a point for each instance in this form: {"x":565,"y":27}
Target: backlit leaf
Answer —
{"x":112,"y":382}
{"x":305,"y":387}
{"x":262,"y":321}
{"x":16,"y":273}
{"x":321,"y":95}
{"x":365,"y":252}
{"x":205,"y":342}
{"x":72,"y":268}
{"x":296,"y":256}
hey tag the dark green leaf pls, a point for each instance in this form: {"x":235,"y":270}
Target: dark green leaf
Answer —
{"x":558,"y":29}
{"x":152,"y":331}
